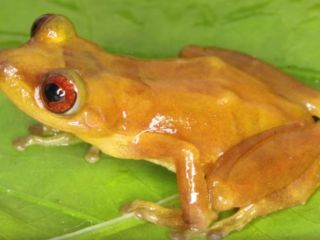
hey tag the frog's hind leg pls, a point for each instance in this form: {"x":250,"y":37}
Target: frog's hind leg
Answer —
{"x":47,"y":136}
{"x":297,"y":193}
{"x":278,"y":81}
{"x":266,"y":173}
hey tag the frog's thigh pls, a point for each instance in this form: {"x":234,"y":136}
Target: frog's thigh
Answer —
{"x":297,"y":193}
{"x":196,"y":212}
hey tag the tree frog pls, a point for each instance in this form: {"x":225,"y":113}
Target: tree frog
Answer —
{"x":238,"y":133}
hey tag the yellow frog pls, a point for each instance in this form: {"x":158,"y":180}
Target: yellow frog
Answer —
{"x":237,"y":132}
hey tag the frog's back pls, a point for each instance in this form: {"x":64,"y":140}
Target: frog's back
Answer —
{"x":204,"y":101}
{"x":211,"y":104}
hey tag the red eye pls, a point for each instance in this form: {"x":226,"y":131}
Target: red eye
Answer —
{"x":39,"y":22}
{"x":58,"y":93}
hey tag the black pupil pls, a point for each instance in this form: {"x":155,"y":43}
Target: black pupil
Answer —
{"x":54,"y":93}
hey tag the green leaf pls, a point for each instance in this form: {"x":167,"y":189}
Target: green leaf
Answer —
{"x":53,"y":193}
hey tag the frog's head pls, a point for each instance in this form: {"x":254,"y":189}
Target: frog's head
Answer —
{"x":56,"y":78}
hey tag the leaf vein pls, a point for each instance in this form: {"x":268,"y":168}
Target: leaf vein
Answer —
{"x":111,"y":226}
{"x":47,"y":204}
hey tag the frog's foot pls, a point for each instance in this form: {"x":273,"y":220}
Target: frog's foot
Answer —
{"x":155,"y":213}
{"x":93,"y":154}
{"x":236,"y":222}
{"x":169,"y":217}
{"x":220,"y":228}
{"x":187,"y":234}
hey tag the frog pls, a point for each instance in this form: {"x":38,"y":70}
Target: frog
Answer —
{"x":239,"y":134}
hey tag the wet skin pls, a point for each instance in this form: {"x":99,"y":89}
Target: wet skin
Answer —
{"x":237,"y":132}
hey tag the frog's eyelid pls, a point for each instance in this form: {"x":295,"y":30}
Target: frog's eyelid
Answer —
{"x":39,"y":22}
{"x":52,"y":28}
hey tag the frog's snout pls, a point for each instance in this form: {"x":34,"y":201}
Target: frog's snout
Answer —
{"x":6,"y":71}
{"x":7,"y":75}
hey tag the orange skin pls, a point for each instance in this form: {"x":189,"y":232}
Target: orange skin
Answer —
{"x":180,"y":113}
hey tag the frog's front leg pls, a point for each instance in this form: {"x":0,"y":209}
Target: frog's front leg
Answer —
{"x":195,"y":213}
{"x":47,"y":136}
{"x":42,"y":130}
{"x":93,"y":154}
